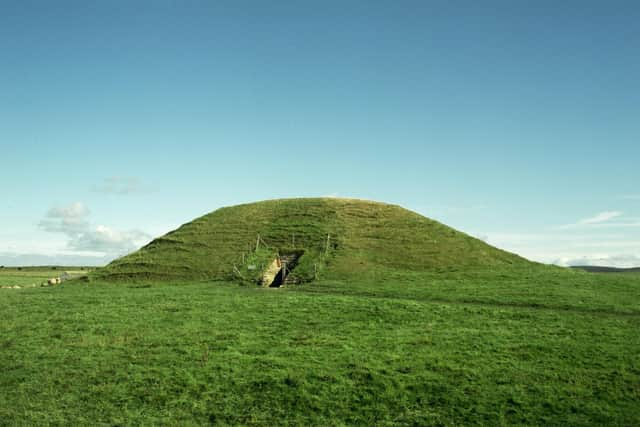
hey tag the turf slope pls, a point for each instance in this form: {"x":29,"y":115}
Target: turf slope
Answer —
{"x":342,"y":237}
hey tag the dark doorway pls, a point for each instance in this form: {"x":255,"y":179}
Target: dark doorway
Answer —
{"x":289,"y":262}
{"x":279,"y":279}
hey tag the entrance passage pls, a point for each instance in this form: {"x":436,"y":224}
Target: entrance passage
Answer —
{"x":277,"y":274}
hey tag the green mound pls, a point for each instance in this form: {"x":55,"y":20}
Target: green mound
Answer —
{"x":332,"y":237}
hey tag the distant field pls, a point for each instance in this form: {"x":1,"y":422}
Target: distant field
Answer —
{"x":597,"y":269}
{"x":535,"y":347}
{"x":36,"y":276}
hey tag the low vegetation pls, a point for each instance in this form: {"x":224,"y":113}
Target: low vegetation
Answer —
{"x":489,"y":347}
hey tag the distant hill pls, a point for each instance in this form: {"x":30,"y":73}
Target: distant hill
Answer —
{"x":339,"y":237}
{"x":598,"y":269}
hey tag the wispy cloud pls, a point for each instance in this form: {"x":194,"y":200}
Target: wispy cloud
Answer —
{"x":109,"y":241}
{"x":601,"y":217}
{"x":608,"y":238}
{"x":544,"y":237}
{"x":592,"y":247}
{"x":73,"y":221}
{"x":122,"y":185}
{"x":620,"y":224}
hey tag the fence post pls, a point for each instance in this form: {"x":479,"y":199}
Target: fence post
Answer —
{"x":284,"y":271}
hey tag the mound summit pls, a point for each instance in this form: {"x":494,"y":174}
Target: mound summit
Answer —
{"x":321,"y":236}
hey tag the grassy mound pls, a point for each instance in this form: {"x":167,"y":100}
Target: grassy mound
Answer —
{"x":338,"y":238}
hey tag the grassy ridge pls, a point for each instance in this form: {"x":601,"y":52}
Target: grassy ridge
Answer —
{"x":458,"y":348}
{"x":362,"y":235}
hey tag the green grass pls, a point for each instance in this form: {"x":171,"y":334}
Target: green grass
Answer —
{"x":36,"y":276}
{"x":503,"y":346}
{"x":363,"y":236}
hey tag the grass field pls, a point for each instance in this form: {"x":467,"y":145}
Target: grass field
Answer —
{"x":506,"y":346}
{"x":36,"y":276}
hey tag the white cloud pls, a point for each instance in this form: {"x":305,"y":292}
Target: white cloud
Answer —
{"x":107,"y":240}
{"x":73,"y":222}
{"x":628,"y":224}
{"x":601,"y":220}
{"x":565,"y":239}
{"x":571,"y":248}
{"x":74,"y":210}
{"x":69,"y":220}
{"x":601,"y":217}
{"x":619,"y":261}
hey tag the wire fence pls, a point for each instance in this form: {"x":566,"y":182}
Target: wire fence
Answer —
{"x":254,"y":247}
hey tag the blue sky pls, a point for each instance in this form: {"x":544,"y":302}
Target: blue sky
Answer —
{"x":517,"y":122}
